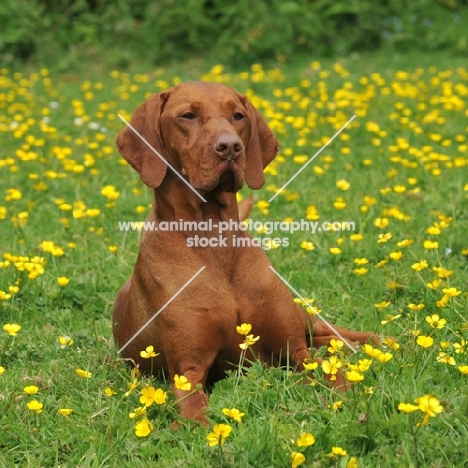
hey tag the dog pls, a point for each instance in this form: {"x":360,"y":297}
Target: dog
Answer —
{"x":213,"y":141}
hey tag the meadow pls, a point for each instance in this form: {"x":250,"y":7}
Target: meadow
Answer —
{"x":398,"y":171}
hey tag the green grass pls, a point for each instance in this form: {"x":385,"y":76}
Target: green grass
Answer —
{"x":425,"y":108}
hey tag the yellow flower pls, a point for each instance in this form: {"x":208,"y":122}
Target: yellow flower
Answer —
{"x":443,"y":302}
{"x":113,"y":248}
{"x":109,"y":392}
{"x":433,"y":230}
{"x":343,"y":184}
{"x":331,"y":365}
{"x":84,"y":374}
{"x":429,"y":404}
{"x":110,"y":192}
{"x":313,"y":310}
{"x":244,"y":329}
{"x":435,"y":321}
{"x":463,"y":369}
{"x":396,"y":255}
{"x":461,"y":348}
{"x":301,"y":159}
{"x":442,"y":272}
{"x":160,"y":396}
{"x":370,"y":350}
{"x":65,"y":411}
{"x":407,"y":408}
{"x":361,"y":261}
{"x":297,"y":458}
{"x":148,"y":395}
{"x":425,"y":341}
{"x":270,"y":244}
{"x":391,"y":343}
{"x":335,"y":346}
{"x":137,"y":412}
{"x":306,"y":439}
{"x":446,"y":359}
{"x":362,"y":366}
{"x":384,"y":357}
{"x":49,"y":246}
{"x":131,"y":386}
{"x":182,"y":383}
{"x":310,"y":365}
{"x":4,"y":296}
{"x":381,"y":223}
{"x":352,"y":463}
{"x":13,"y":194}
{"x":249,"y":341}
{"x":354,"y":376}
{"x":382,"y":304}
{"x":335,"y":250}
{"x":148,"y":353}
{"x":356,"y":237}
{"x":233,"y":413}
{"x":31,"y":390}
{"x":35,"y":405}
{"x":361,"y":271}
{"x":451,"y":292}
{"x":307,"y":245}
{"x":419,"y":265}
{"x":384,"y":237}
{"x":416,"y":306}
{"x":434,"y":284}
{"x":12,"y":328}
{"x":65,"y":341}
{"x":219,"y":434}
{"x":405,"y":243}
{"x":143,"y":428}
{"x":429,"y":245}
{"x":262,"y":205}
{"x":2,"y":370}
{"x":337,"y":451}
{"x":336,"y":405}
{"x":305,"y":302}
{"x":63,"y":281}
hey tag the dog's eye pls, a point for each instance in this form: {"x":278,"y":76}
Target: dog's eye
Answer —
{"x":238,"y":116}
{"x":189,"y":116}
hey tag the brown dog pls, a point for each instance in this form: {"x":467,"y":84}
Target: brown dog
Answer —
{"x":215,"y":139}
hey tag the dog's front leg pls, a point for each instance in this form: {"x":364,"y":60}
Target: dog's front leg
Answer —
{"x":191,"y":402}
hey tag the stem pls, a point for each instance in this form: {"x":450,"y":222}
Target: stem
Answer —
{"x":368,"y":415}
{"x":239,"y":366}
{"x":220,"y":451}
{"x":355,"y":401}
{"x":415,"y":445}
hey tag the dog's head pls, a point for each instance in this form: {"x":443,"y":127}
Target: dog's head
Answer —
{"x":208,"y":132}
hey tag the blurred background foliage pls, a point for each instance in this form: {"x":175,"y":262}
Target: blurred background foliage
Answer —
{"x":60,"y":33}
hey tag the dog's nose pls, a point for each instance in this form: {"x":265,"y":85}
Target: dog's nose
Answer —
{"x":228,"y":147}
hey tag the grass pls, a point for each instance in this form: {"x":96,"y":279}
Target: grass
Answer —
{"x":403,"y":160}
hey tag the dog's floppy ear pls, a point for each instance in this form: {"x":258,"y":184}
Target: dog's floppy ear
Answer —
{"x":261,"y":149}
{"x":135,"y":151}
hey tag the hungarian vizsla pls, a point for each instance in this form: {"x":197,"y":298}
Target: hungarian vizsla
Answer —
{"x":216,"y":140}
